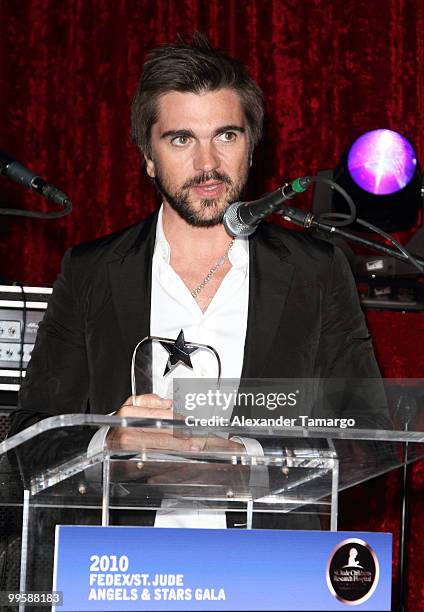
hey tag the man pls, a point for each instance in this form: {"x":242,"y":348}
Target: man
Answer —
{"x":277,"y":305}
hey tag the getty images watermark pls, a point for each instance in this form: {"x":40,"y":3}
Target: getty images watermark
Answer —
{"x":258,"y":403}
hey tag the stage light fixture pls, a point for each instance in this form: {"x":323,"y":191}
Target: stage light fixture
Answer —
{"x":381,"y":162}
{"x":381,"y":173}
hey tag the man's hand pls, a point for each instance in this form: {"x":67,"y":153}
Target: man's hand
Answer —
{"x":150,"y":406}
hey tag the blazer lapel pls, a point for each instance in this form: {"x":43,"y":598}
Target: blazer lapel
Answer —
{"x":269,"y":284}
{"x":130,"y":276}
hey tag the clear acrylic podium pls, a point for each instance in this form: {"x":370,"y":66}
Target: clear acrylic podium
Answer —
{"x":48,"y":477}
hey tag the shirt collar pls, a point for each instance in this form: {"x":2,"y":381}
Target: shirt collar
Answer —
{"x":238,"y":255}
{"x":162,"y":248}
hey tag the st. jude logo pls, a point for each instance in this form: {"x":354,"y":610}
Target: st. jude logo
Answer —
{"x":352,"y":571}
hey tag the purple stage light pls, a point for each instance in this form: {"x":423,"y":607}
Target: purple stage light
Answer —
{"x":381,"y":162}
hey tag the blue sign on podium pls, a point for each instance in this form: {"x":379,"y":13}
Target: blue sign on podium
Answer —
{"x":145,"y":568}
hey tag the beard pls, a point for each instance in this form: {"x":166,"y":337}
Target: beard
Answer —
{"x":209,"y":212}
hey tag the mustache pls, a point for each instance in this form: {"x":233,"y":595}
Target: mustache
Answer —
{"x":214,"y":175}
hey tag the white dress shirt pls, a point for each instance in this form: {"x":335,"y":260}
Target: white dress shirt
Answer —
{"x":222,"y":325}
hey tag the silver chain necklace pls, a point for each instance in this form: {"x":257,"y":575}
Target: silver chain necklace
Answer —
{"x":212,"y":271}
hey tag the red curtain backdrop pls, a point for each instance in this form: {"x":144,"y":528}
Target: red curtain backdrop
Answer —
{"x":329,"y":70}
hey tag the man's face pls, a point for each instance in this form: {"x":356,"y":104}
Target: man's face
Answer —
{"x":200,"y":153}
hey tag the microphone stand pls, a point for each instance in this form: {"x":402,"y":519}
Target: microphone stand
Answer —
{"x":309,"y":221}
{"x":407,"y":409}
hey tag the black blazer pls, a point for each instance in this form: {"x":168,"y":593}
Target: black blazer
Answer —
{"x":304,"y":321}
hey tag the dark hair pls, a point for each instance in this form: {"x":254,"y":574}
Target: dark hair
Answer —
{"x":193,"y":68}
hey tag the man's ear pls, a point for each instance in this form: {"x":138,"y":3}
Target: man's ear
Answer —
{"x":150,"y":166}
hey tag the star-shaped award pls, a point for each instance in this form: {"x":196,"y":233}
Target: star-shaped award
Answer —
{"x":179,"y":352}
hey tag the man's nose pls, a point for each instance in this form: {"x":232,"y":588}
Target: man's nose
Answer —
{"x":206,"y":157}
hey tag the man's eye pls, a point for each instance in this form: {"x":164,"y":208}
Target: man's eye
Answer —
{"x":227,"y":136}
{"x":180,"y":141}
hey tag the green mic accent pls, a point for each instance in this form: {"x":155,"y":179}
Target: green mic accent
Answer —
{"x":297,"y":186}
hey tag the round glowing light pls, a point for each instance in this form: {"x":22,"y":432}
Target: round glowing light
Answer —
{"x":381,"y":162}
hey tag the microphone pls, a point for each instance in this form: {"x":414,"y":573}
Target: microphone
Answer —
{"x":15,"y":171}
{"x":242,"y":218}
